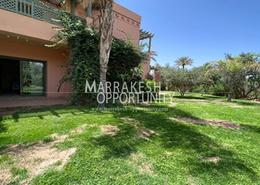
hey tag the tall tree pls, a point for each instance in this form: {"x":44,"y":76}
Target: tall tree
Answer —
{"x":184,"y":61}
{"x":184,"y":82}
{"x":106,"y":22}
{"x":233,"y":76}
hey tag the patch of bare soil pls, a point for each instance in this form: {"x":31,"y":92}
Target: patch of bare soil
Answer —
{"x":142,"y":164}
{"x":142,"y":132}
{"x":194,"y":100}
{"x":5,"y":176}
{"x":219,"y":123}
{"x":38,"y":157}
{"x":109,"y":130}
{"x":172,"y":104}
{"x":80,"y":129}
{"x":257,"y":100}
{"x":229,"y":104}
{"x":236,"y":106}
{"x":146,"y":133}
{"x":214,"y":160}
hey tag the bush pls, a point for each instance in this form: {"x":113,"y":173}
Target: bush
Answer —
{"x":218,"y":90}
{"x":124,"y":62}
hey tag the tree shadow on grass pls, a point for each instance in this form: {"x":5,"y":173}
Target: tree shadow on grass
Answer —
{"x":251,"y":128}
{"x":246,"y":103}
{"x":41,"y":112}
{"x":189,"y":97}
{"x":175,"y":135}
{"x":204,"y":97}
{"x":2,"y":126}
{"x":122,"y":144}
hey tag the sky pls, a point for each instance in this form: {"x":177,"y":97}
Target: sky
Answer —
{"x":204,"y":30}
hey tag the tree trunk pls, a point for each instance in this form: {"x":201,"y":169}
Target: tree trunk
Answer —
{"x":106,"y":38}
{"x":182,"y":92}
{"x":231,"y":88}
{"x":229,"y":97}
{"x":103,"y":91}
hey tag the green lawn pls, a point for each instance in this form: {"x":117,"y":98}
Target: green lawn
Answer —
{"x":149,"y":147}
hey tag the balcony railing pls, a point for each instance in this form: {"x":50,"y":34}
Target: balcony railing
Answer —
{"x":31,"y":8}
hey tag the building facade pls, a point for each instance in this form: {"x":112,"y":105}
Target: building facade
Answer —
{"x":26,"y":65}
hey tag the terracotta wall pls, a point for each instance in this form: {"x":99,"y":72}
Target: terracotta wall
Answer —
{"x":55,"y":58}
{"x":126,"y":25}
{"x":26,"y":26}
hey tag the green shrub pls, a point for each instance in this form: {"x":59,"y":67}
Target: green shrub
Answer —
{"x":218,"y":90}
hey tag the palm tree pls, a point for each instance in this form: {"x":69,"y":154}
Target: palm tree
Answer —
{"x":106,"y":22}
{"x":184,"y":61}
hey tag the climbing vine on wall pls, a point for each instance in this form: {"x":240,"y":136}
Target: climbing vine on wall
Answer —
{"x":83,"y":64}
{"x":124,"y":62}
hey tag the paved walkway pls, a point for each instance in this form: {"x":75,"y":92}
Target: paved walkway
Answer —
{"x":10,"y":104}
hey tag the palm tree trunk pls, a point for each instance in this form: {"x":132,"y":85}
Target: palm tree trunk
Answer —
{"x":106,"y":38}
{"x":102,"y":78}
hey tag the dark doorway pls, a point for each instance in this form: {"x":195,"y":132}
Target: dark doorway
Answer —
{"x":22,"y":77}
{"x":9,"y":77}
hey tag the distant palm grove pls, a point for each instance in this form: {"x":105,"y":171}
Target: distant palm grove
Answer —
{"x":234,"y":76}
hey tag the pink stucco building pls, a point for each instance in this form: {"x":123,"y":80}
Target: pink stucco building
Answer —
{"x":26,"y":65}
